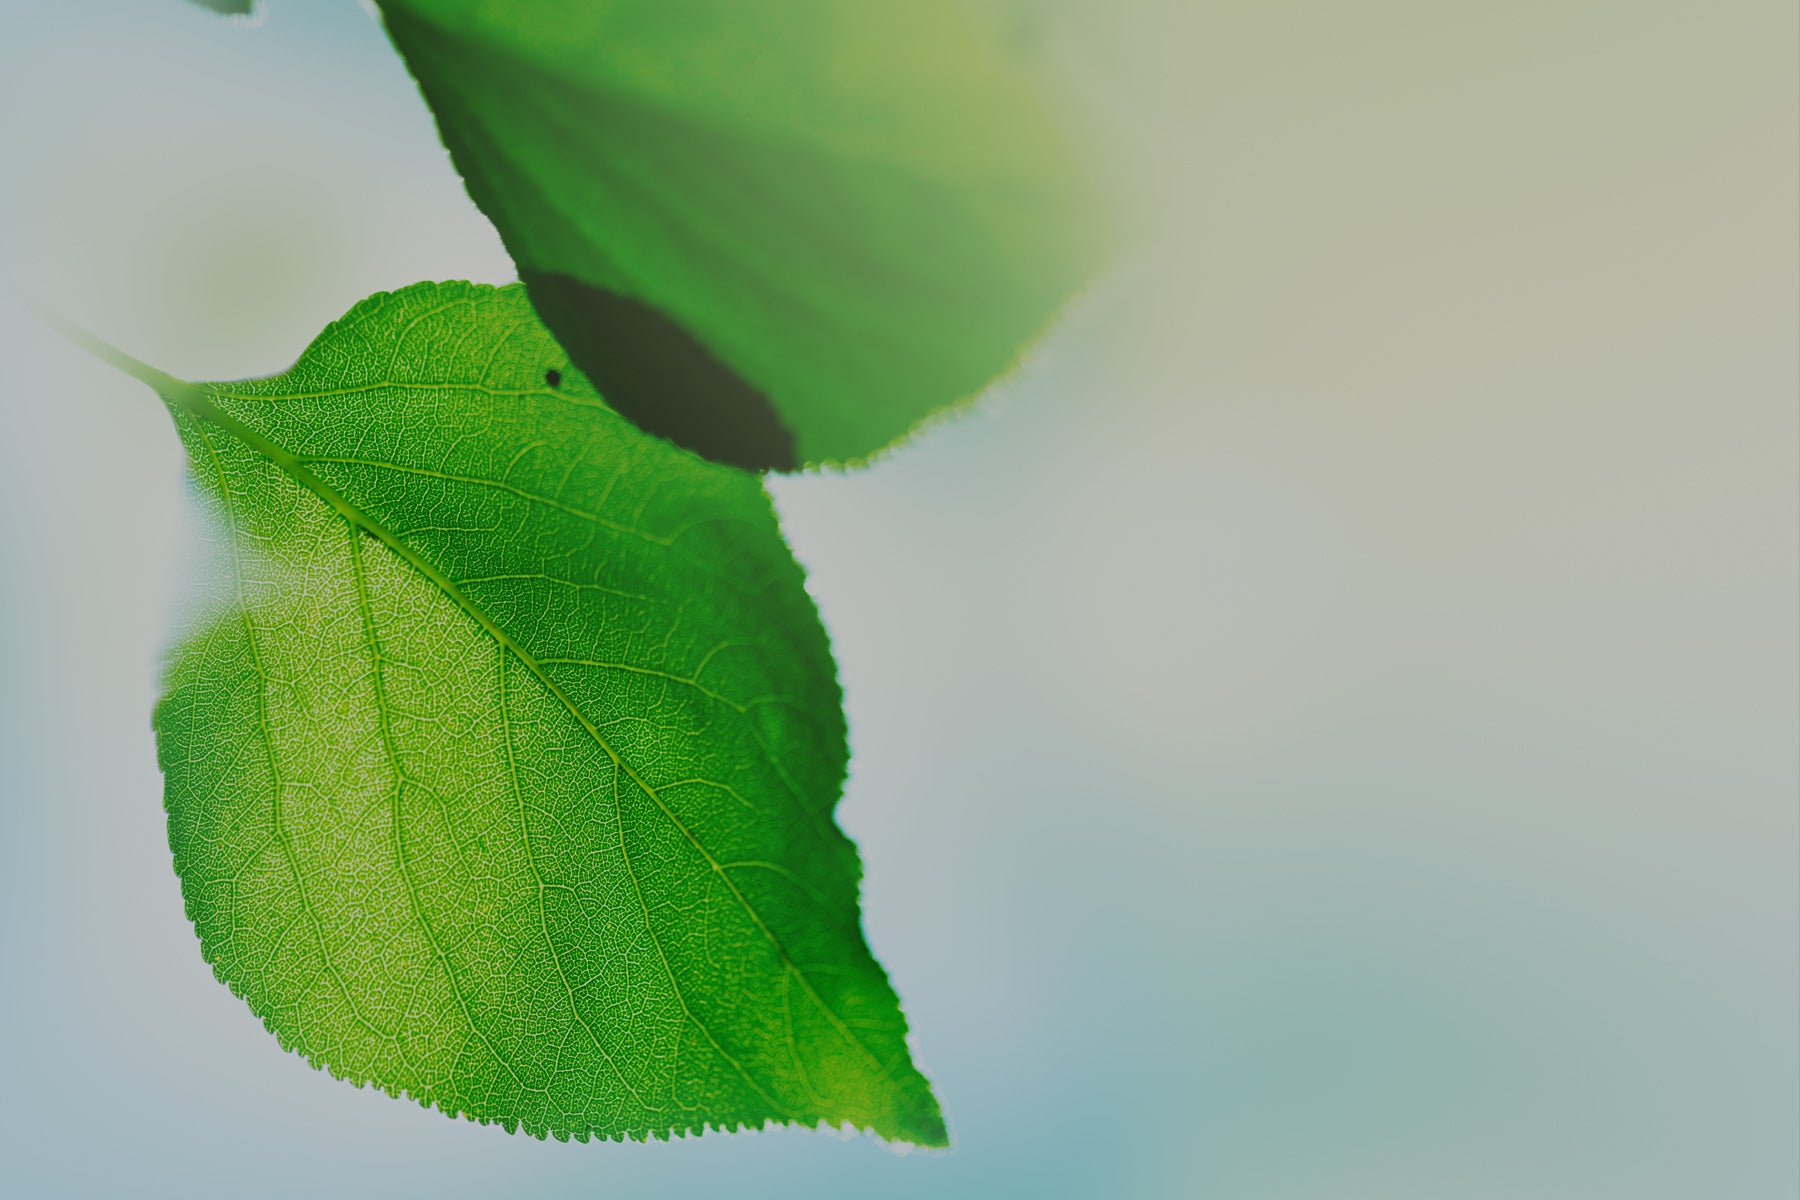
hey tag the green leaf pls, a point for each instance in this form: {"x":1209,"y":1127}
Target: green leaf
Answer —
{"x":502,"y":774}
{"x":780,"y":232}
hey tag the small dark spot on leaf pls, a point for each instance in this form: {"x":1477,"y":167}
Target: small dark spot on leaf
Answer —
{"x":553,"y":377}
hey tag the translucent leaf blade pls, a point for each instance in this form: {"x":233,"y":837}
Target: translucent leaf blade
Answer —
{"x":781,"y":233}
{"x":502,"y":775}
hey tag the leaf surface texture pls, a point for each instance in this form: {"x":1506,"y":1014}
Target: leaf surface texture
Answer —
{"x":502,"y":773}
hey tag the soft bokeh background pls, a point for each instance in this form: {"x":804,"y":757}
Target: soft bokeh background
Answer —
{"x":1326,"y":730}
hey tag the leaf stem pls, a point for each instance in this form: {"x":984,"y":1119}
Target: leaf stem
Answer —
{"x":179,"y":392}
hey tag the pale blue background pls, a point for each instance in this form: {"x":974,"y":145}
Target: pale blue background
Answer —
{"x":1326,"y":730}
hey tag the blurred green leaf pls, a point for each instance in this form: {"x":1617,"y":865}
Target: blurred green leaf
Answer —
{"x":502,"y":773}
{"x":779,"y":233}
